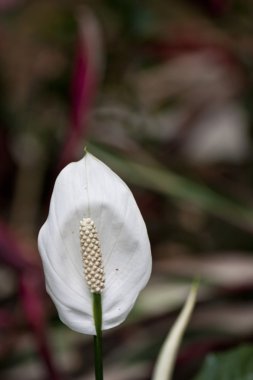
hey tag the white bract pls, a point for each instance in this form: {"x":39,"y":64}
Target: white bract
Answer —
{"x":89,"y":189}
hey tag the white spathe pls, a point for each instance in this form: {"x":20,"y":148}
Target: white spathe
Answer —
{"x":88,"y":188}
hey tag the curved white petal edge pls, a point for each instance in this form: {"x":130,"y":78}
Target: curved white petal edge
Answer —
{"x":88,"y":188}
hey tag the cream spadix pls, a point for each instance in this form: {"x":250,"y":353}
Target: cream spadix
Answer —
{"x":91,"y":256}
{"x":86,"y":193}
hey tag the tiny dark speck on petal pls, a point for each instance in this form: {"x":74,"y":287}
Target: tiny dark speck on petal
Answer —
{"x":116,"y":269}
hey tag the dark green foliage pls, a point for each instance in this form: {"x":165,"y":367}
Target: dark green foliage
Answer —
{"x":236,"y":364}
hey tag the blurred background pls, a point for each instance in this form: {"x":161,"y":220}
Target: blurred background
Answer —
{"x":162,"y":92}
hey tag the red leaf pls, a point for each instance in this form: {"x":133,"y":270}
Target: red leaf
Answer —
{"x":86,"y":75}
{"x":33,"y":304}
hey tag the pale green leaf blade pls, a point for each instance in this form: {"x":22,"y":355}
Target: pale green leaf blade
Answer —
{"x":167,"y":356}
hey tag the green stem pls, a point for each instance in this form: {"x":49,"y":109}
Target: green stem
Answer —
{"x":98,"y":353}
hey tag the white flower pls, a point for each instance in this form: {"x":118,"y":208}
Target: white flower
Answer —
{"x":89,"y":189}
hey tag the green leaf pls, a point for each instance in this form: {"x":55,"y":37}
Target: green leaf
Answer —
{"x":166,"y":360}
{"x":236,"y":364}
{"x":154,"y":176}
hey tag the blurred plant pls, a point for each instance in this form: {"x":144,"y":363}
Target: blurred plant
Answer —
{"x":88,"y":68}
{"x":6,"y":5}
{"x":166,"y":360}
{"x":234,"y":364}
{"x":31,"y":294}
{"x":159,"y":179}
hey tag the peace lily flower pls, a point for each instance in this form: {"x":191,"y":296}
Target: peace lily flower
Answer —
{"x":93,"y":241}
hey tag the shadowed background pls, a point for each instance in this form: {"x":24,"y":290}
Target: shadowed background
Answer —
{"x":161,"y":92}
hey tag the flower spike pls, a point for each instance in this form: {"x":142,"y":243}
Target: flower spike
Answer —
{"x":91,"y":256}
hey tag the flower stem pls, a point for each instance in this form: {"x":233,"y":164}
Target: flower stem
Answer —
{"x":98,"y":354}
